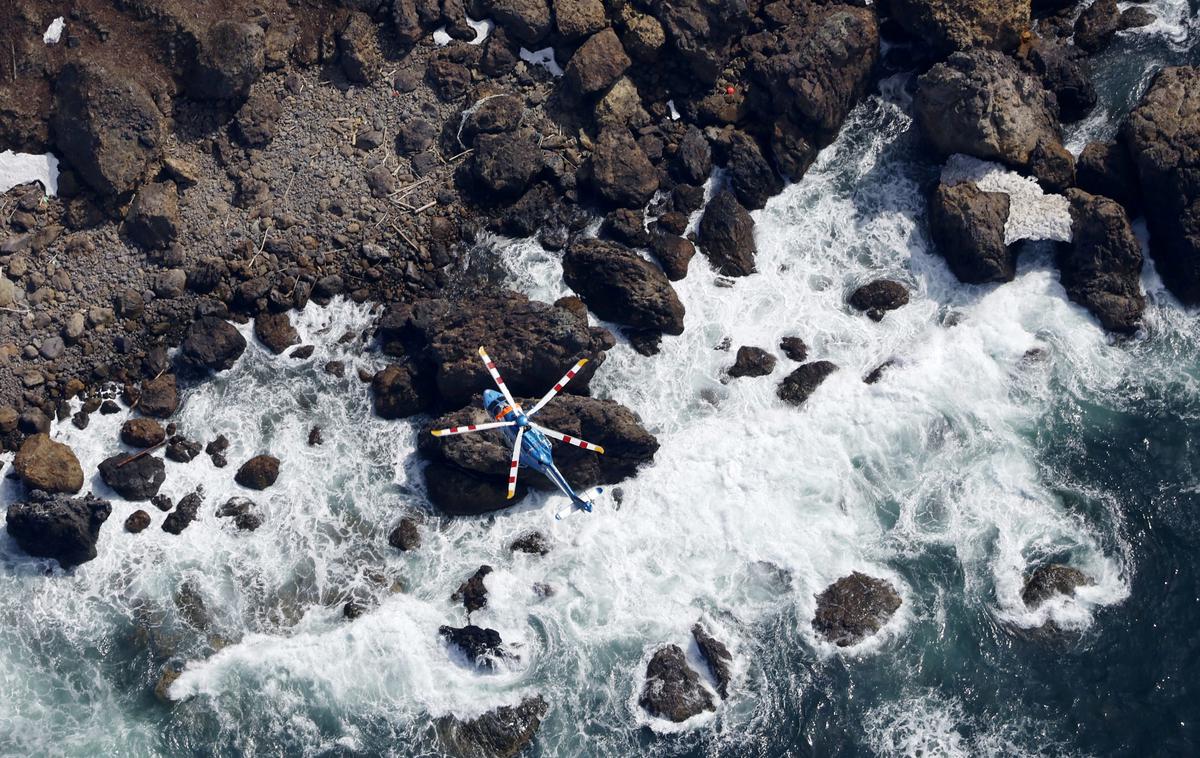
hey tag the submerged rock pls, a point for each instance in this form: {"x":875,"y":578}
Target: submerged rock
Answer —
{"x":59,"y":527}
{"x":1051,"y":579}
{"x":46,"y":465}
{"x":673,"y":690}
{"x":534,"y":543}
{"x":482,"y":647}
{"x":473,"y":592}
{"x":133,"y":478}
{"x":243,"y":511}
{"x":801,"y":383}
{"x":717,"y":656}
{"x":500,"y":733}
{"x":406,"y":536}
{"x":853,"y":608}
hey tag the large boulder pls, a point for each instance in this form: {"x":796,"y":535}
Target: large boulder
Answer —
{"x":753,"y":179}
{"x":1162,"y":135}
{"x":503,"y":732}
{"x":1101,"y":266}
{"x":159,"y":396}
{"x":46,"y":465}
{"x":673,"y":690}
{"x":949,"y":25}
{"x":878,"y":297}
{"x":702,"y":33}
{"x":211,"y":344}
{"x":525,"y":20}
{"x":400,"y":391}
{"x":727,"y":235}
{"x":853,"y":608}
{"x":229,"y":57}
{"x":482,"y":647}
{"x":620,"y":173}
{"x":575,"y":19}
{"x":275,"y":330}
{"x":981,"y":104}
{"x":799,"y":385}
{"x":619,"y":285}
{"x":134,"y":478}
{"x":504,"y":164}
{"x":258,"y":473}
{"x":532,"y":343}
{"x":1105,"y":168}
{"x":717,"y":656}
{"x":107,"y":127}
{"x":967,"y":226}
{"x":1097,"y":25}
{"x":597,"y":63}
{"x":142,"y":432}
{"x":483,"y":458}
{"x":1050,"y":579}
{"x":59,"y":527}
{"x":153,"y":217}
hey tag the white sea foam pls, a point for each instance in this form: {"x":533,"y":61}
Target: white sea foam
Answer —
{"x":1033,"y":214}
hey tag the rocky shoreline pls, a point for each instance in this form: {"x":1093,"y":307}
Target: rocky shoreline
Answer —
{"x":234,"y":162}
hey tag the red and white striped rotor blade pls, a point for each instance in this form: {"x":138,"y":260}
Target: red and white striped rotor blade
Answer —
{"x":568,"y":439}
{"x":516,"y":461}
{"x":470,"y":428}
{"x":499,"y":380}
{"x":558,"y":387}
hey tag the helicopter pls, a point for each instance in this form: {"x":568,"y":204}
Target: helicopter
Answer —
{"x":531,"y":441}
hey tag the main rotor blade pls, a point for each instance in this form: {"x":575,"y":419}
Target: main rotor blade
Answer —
{"x":470,"y":428}
{"x":516,"y":461}
{"x":558,"y":387}
{"x":568,"y":439}
{"x":491,"y":367}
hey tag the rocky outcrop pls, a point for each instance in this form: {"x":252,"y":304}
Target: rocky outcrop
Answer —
{"x":228,"y":58}
{"x":727,"y":235}
{"x":1050,"y":579}
{"x":525,"y":20}
{"x":473,"y":592}
{"x":717,"y":656}
{"x":107,"y":127}
{"x":211,"y":344}
{"x":1162,"y":135}
{"x":1101,"y":266}
{"x":1063,"y":71}
{"x":185,"y":513}
{"x":500,"y":733}
{"x":673,"y":690}
{"x":853,"y":608}
{"x":801,"y":383}
{"x":878,"y":297}
{"x":620,"y":173}
{"x":702,"y":33}
{"x":619,"y":285}
{"x":258,"y":473}
{"x":752,"y":361}
{"x":1105,"y":168}
{"x":1097,"y":25}
{"x":483,"y":648}
{"x":399,"y":391}
{"x":949,"y":25}
{"x":46,"y":465}
{"x":981,"y":104}
{"x":505,"y":163}
{"x":469,"y":472}
{"x":967,"y":226}
{"x":134,"y":478}
{"x":59,"y":527}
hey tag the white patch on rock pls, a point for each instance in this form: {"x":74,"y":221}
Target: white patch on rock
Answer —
{"x":1033,"y":214}
{"x":674,"y":113}
{"x":544,"y":58}
{"x":54,"y":31}
{"x":21,"y":168}
{"x":482,"y":29}
{"x":440,"y":37}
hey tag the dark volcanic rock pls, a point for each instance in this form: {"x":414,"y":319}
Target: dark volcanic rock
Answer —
{"x":258,"y":473}
{"x":473,"y":593}
{"x":727,"y":235}
{"x":752,"y":361}
{"x":717,"y":656}
{"x":243,"y":511}
{"x":967,"y":225}
{"x":597,"y":63}
{"x":184,"y":513}
{"x":358,"y":47}
{"x":477,"y":464}
{"x":981,"y":104}
{"x":211,"y":344}
{"x":619,"y":285}
{"x":1097,"y":25}
{"x":1102,"y":264}
{"x":482,"y":647}
{"x":107,"y":127}
{"x":142,"y":432}
{"x":1063,"y":71}
{"x":1163,"y":137}
{"x":1105,"y":168}
{"x":620,"y":173}
{"x":59,"y":527}
{"x":693,"y":161}
{"x":525,"y":20}
{"x":258,"y":117}
{"x":275,"y":330}
{"x":398,"y":391}
{"x":674,"y":254}
{"x":878,"y":297}
{"x":46,"y":465}
{"x":802,"y":382}
{"x":794,"y":348}
{"x":137,"y":522}
{"x":701,"y":34}
{"x":229,"y":58}
{"x":135,"y":480}
{"x":504,"y":164}
{"x":753,"y":179}
{"x":160,"y":396}
{"x":673,"y":690}
{"x":181,"y":449}
{"x":500,"y":733}
{"x":1052,"y":579}
{"x":853,"y":608}
{"x":534,"y":543}
{"x":949,"y":25}
{"x":406,"y":536}
{"x":153,"y":218}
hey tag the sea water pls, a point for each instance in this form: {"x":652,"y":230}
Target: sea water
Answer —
{"x":1009,"y":430}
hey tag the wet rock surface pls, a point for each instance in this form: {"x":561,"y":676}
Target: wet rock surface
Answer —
{"x":1051,"y":579}
{"x":133,"y":478}
{"x":967,"y":225}
{"x":799,"y":385}
{"x":854,"y":608}
{"x":717,"y":656}
{"x":1102,"y":264}
{"x":57,"y":526}
{"x":878,"y":297}
{"x":500,"y":733}
{"x":482,"y":647}
{"x":473,"y":593}
{"x":621,"y":286}
{"x":259,"y":472}
{"x":673,"y":690}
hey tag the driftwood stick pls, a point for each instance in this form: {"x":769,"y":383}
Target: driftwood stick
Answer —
{"x":135,"y":456}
